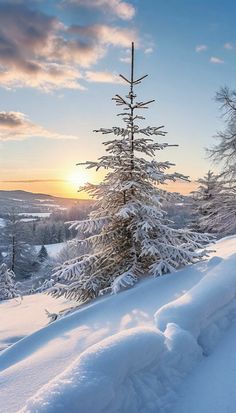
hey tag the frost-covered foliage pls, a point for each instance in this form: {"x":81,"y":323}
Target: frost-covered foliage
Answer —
{"x":214,"y":203}
{"x":224,"y":151}
{"x":129,"y":235}
{"x":8,"y":287}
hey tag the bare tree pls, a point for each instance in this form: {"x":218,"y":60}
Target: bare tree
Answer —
{"x":224,"y":152}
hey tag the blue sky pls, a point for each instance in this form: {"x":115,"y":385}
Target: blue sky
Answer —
{"x":59,"y":62}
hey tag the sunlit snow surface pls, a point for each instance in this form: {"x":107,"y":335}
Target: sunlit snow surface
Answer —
{"x":113,"y":355}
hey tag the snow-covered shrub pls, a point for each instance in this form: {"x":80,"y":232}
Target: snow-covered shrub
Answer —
{"x":8,"y":287}
{"x":129,"y":235}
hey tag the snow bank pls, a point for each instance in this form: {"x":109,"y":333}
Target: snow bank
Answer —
{"x":126,"y":371}
{"x":206,"y":309}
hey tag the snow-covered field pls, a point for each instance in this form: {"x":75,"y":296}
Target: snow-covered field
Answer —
{"x":36,"y":214}
{"x":130,"y":353}
{"x":52,"y":249}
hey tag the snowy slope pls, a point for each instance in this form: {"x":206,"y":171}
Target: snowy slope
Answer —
{"x":20,"y":318}
{"x":114,"y":345}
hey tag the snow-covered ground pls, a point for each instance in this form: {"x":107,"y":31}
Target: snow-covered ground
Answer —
{"x":36,"y":214}
{"x":52,"y":249}
{"x":20,"y":318}
{"x":113,"y":355}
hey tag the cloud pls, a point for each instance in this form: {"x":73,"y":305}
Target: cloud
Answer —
{"x":148,"y":50}
{"x":102,"y":77}
{"x":229,"y":46}
{"x":106,"y":35}
{"x":216,"y":60}
{"x":125,"y":59}
{"x":40,"y":51}
{"x":17,"y":126}
{"x":30,"y":181}
{"x":119,"y":8}
{"x":201,"y":48}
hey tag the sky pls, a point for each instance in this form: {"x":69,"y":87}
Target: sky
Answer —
{"x":59,"y":66}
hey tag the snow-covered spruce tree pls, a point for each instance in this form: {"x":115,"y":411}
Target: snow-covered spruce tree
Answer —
{"x":21,"y":257}
{"x":203,"y":200}
{"x":220,"y":218}
{"x":8,"y":287}
{"x":131,"y":236}
{"x":224,"y":152}
{"x":43,"y":254}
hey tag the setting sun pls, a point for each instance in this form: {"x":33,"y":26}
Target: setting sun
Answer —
{"x":78,"y":178}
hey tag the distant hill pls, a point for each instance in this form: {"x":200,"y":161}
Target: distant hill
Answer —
{"x":23,"y":201}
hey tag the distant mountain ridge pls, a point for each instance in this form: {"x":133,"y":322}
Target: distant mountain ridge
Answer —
{"x":23,"y":201}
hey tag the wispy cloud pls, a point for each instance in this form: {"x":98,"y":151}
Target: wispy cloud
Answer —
{"x":31,"y":181}
{"x":102,"y":77}
{"x":121,"y":9}
{"x":229,"y":46}
{"x":216,"y":60}
{"x":201,"y":48}
{"x":125,"y":59}
{"x":17,"y":126}
{"x":148,"y":50}
{"x":40,"y":51}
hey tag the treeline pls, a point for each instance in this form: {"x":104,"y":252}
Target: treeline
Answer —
{"x":20,"y":235}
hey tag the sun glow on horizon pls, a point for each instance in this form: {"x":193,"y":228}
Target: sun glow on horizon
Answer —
{"x":78,"y":179}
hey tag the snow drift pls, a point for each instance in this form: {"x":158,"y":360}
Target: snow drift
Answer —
{"x":123,"y":361}
{"x":126,"y":372}
{"x":206,"y":309}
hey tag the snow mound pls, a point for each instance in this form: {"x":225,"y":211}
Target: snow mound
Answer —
{"x":207,"y":308}
{"x":126,"y":372}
